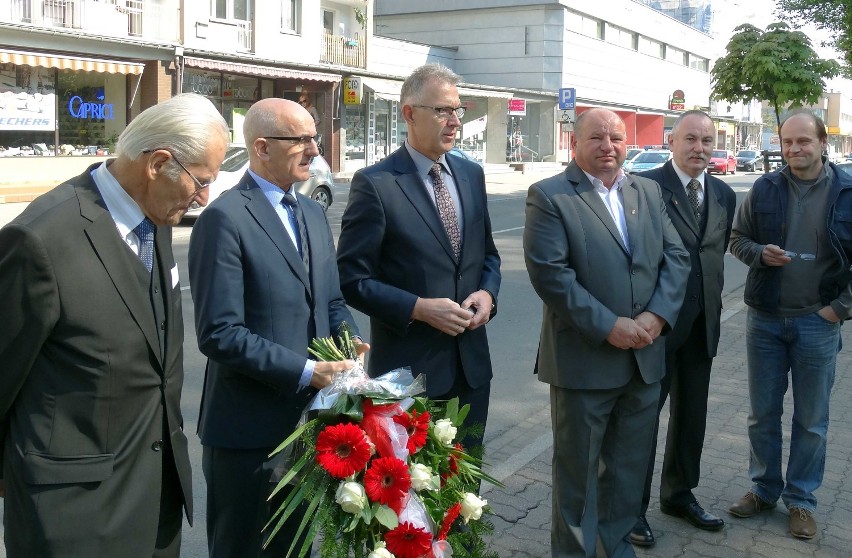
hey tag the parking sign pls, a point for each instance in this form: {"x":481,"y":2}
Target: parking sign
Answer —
{"x":567,"y":95}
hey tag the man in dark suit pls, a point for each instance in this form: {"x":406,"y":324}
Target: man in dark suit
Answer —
{"x":416,"y":253}
{"x":701,"y":208}
{"x":94,"y":458}
{"x":264,"y":282}
{"x":606,"y":261}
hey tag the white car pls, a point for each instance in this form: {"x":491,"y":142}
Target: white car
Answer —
{"x":648,"y":160}
{"x":319,"y":187}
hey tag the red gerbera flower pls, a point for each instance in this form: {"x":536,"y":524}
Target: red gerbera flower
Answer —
{"x":453,"y":463}
{"x":342,"y":449}
{"x":387,"y":481}
{"x":451,"y":516}
{"x":417,"y":425}
{"x":408,"y":541}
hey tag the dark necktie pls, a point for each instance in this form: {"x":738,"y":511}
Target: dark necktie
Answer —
{"x":446,"y":208}
{"x":145,"y":233}
{"x":297,"y":221}
{"x":693,"y":187}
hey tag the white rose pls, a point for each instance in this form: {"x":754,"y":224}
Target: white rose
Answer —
{"x":380,"y":552}
{"x":445,"y":431}
{"x":351,"y":497}
{"x":471,"y":507}
{"x":421,"y":477}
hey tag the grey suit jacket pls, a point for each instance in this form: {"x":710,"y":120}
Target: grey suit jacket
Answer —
{"x":256,"y":311}
{"x":706,"y":251}
{"x":85,"y":393}
{"x":587,"y":278}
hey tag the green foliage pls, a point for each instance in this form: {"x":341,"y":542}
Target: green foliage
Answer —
{"x":777,"y":65}
{"x":833,"y":16}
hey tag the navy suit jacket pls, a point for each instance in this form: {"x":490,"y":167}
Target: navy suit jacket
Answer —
{"x":393,"y":249}
{"x":256,"y":311}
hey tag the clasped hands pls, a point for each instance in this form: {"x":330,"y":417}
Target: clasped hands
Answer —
{"x":453,"y":318}
{"x":636,"y":333}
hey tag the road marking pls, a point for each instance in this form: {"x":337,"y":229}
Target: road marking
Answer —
{"x":507,"y":230}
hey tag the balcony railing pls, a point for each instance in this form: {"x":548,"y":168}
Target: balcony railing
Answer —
{"x":113,"y":18}
{"x":343,"y":51}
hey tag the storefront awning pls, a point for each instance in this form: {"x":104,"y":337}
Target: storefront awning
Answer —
{"x":384,"y":88}
{"x":468,"y":92}
{"x":255,"y":70}
{"x":46,"y":60}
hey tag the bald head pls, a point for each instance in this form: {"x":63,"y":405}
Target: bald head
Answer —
{"x":280,"y":161}
{"x":272,"y":117}
{"x":600,"y":144}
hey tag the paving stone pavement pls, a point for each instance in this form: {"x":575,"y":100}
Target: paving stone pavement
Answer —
{"x":522,"y":460}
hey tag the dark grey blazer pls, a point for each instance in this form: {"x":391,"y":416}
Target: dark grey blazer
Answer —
{"x":581,"y":270}
{"x":85,"y":394}
{"x":706,"y":251}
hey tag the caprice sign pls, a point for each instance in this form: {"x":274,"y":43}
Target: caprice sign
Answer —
{"x":80,"y":109}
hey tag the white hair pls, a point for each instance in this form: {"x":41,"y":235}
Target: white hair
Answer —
{"x":414,"y":84}
{"x":185,"y":125}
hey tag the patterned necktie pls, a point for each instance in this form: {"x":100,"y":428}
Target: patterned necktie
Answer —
{"x":145,"y":233}
{"x":694,"y":186}
{"x":297,"y":221}
{"x":446,"y":208}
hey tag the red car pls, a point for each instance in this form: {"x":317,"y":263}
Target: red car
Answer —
{"x":722,"y":162}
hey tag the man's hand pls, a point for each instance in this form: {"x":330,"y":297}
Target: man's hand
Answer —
{"x":324,"y":372}
{"x":774,"y":256}
{"x":651,"y":323}
{"x":480,"y":304}
{"x":361,"y":349}
{"x":627,"y":334}
{"x":443,"y":314}
{"x":826,"y":312}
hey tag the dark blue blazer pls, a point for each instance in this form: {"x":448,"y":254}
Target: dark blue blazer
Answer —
{"x":393,"y":249}
{"x":256,"y":311}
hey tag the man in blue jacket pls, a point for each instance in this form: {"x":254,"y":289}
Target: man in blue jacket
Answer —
{"x":794,"y":231}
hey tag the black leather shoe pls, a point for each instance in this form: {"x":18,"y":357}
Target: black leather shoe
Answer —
{"x":641,"y":534}
{"x":695,"y":514}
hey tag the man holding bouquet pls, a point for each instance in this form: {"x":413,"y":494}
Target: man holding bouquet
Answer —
{"x":416,"y":252}
{"x":264,"y":284}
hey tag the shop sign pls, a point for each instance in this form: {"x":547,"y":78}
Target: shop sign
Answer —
{"x":353,"y":90}
{"x":677,"y":101}
{"x":82,"y":110}
{"x":27,"y":111}
{"x":517,"y":107}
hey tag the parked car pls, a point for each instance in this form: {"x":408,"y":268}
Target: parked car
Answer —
{"x":319,"y":187}
{"x":648,"y":160}
{"x":845,"y":166}
{"x":631,"y":154}
{"x":749,"y":160}
{"x":461,"y":153}
{"x":722,"y":162}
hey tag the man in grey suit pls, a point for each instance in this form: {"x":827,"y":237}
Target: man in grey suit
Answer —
{"x":94,"y":458}
{"x":264,"y":282}
{"x":701,"y":208}
{"x":611,"y":270}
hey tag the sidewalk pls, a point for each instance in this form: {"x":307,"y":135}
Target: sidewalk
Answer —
{"x":522,"y":509}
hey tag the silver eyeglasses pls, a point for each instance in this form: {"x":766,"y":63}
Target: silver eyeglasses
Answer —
{"x":806,"y":257}
{"x":198,"y":183}
{"x":444,"y":112}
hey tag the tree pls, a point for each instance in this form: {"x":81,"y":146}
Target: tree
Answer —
{"x":777,"y":65}
{"x":833,"y":16}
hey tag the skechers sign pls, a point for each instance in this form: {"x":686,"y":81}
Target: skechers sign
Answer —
{"x":80,"y":109}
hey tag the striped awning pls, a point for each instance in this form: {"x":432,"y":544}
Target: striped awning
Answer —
{"x":257,"y":70}
{"x":64,"y":62}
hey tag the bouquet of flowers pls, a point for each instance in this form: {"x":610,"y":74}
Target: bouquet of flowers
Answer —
{"x":380,"y":470}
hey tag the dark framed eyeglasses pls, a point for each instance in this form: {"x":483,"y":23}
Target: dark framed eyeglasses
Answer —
{"x":199,"y":185}
{"x":304,"y":141}
{"x":445,"y":112}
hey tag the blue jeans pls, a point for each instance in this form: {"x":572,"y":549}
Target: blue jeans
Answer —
{"x":806,"y":347}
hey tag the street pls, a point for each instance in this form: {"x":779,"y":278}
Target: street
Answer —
{"x":516,"y":394}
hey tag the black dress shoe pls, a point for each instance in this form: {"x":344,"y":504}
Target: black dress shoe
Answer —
{"x":641,"y":534}
{"x":695,"y":514}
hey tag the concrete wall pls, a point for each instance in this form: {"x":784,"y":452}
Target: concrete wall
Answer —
{"x":396,"y":57}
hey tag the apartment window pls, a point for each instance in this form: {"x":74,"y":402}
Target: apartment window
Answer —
{"x":652,"y":47}
{"x":232,"y":9}
{"x":698,"y":63}
{"x":290,"y":15}
{"x":584,"y":25}
{"x":675,"y":55}
{"x":620,"y":36}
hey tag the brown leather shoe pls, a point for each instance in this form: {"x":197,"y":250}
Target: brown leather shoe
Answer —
{"x":802,"y":523}
{"x":749,"y":505}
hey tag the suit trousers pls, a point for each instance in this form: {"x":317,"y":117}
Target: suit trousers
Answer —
{"x":171,"y":511}
{"x":238,"y":486}
{"x":687,"y":386}
{"x":601,"y":444}
{"x":478,"y":399}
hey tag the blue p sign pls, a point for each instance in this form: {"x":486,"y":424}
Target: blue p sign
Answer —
{"x":566,"y":98}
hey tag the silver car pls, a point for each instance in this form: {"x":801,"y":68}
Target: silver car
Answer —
{"x":319,"y":187}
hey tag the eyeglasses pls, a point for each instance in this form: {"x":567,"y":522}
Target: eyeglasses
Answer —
{"x":445,"y":112}
{"x":198,"y":183}
{"x":304,"y":141}
{"x":806,"y":257}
